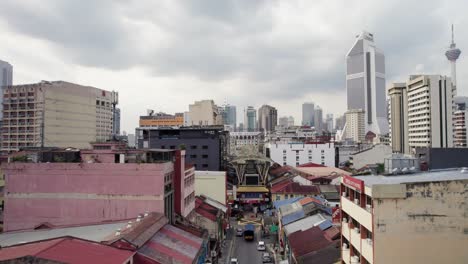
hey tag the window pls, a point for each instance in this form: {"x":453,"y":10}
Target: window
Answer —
{"x":297,"y":158}
{"x":193,"y":147}
{"x":205,"y":147}
{"x":163,"y":147}
{"x":204,"y":165}
{"x":278,"y":198}
{"x":297,"y":163}
{"x":193,"y":156}
{"x":284,"y":163}
{"x":205,"y":156}
{"x":172,"y":147}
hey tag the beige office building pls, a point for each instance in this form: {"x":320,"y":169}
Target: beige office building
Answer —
{"x":398,"y":109}
{"x":355,"y":126}
{"x":211,"y":184}
{"x":414,"y":218}
{"x":56,"y":114}
{"x":203,"y":113}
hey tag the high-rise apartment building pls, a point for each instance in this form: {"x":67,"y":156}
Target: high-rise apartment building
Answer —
{"x":204,"y":113}
{"x":161,"y":120}
{"x":56,"y":114}
{"x":116,"y":122}
{"x":6,"y":79}
{"x":398,"y":117}
{"x":421,"y":113}
{"x":267,"y":118}
{"x":308,"y":114}
{"x":250,"y":119}
{"x":365,"y":83}
{"x":318,"y":119}
{"x":430,"y":100}
{"x":460,"y":121}
{"x":355,"y":126}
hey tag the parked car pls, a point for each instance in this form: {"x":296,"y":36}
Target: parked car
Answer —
{"x":234,"y":261}
{"x":261,"y":246}
{"x":266,"y":257}
{"x":239,"y":232}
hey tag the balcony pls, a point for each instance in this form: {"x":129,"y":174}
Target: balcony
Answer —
{"x":345,"y":229}
{"x":346,"y":255}
{"x":367,"y":249}
{"x":356,"y":238}
{"x":357,"y":212}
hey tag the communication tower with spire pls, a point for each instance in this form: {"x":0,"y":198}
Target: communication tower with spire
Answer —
{"x":452,"y":54}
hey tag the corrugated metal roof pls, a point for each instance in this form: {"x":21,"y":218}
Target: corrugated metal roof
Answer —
{"x":96,"y":233}
{"x":68,"y":250}
{"x":172,"y":245}
{"x":325,"y":224}
{"x":292,"y":217}
{"x":310,"y":240}
{"x":278,"y":204}
{"x":304,"y":224}
{"x":290,"y":208}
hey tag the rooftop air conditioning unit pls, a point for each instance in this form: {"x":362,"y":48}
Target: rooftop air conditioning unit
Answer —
{"x":356,"y":201}
{"x":405,"y":170}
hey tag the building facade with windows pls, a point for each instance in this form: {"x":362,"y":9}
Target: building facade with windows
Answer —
{"x":267,"y":118}
{"x":250,"y":119}
{"x":355,"y":125}
{"x":204,"y":113}
{"x":297,"y":153}
{"x":404,"y":218}
{"x":206,"y":147}
{"x":6,"y":79}
{"x":238,"y":140}
{"x":56,"y":114}
{"x":308,"y":114}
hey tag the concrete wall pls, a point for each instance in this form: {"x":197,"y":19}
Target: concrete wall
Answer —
{"x":211,"y":184}
{"x":443,"y":158}
{"x":428,"y":226}
{"x":74,"y":193}
{"x":374,"y":155}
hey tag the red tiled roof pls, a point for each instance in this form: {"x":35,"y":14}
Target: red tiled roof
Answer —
{"x":332,"y":233}
{"x":310,"y":240}
{"x":307,"y":200}
{"x":68,"y":250}
{"x":295,"y":188}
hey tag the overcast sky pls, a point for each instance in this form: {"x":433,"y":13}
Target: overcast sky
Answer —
{"x":163,"y":55}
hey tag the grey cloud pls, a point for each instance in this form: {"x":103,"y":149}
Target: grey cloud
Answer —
{"x":222,"y":40}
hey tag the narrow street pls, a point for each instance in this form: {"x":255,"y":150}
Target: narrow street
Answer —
{"x":246,"y":251}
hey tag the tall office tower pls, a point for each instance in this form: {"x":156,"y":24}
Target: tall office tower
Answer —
{"x":430,"y":101}
{"x":116,"y":122}
{"x":355,"y":125}
{"x":56,"y":114}
{"x":6,"y":79}
{"x":229,"y":115}
{"x":318,"y":119}
{"x":365,"y":83}
{"x":308,"y":114}
{"x":250,"y":119}
{"x":460,"y":121}
{"x":398,"y":117}
{"x":267,"y":118}
{"x":329,"y":123}
{"x":452,"y":54}
{"x":204,"y":113}
{"x":286,"y":121}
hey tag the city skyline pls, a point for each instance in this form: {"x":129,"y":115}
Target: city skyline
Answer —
{"x":309,"y":66}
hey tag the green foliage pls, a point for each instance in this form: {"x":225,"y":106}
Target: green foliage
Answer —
{"x":22,"y":158}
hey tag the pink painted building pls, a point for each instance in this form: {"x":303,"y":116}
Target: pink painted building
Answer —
{"x":110,"y":182}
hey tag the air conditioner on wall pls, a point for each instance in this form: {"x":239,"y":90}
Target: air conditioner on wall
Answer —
{"x":368,"y":207}
{"x":356,"y":201}
{"x":345,"y":220}
{"x":369,"y":241}
{"x":357,"y":230}
{"x":343,"y":194}
{"x":345,"y":246}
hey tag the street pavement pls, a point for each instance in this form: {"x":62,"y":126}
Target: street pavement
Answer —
{"x":246,"y":251}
